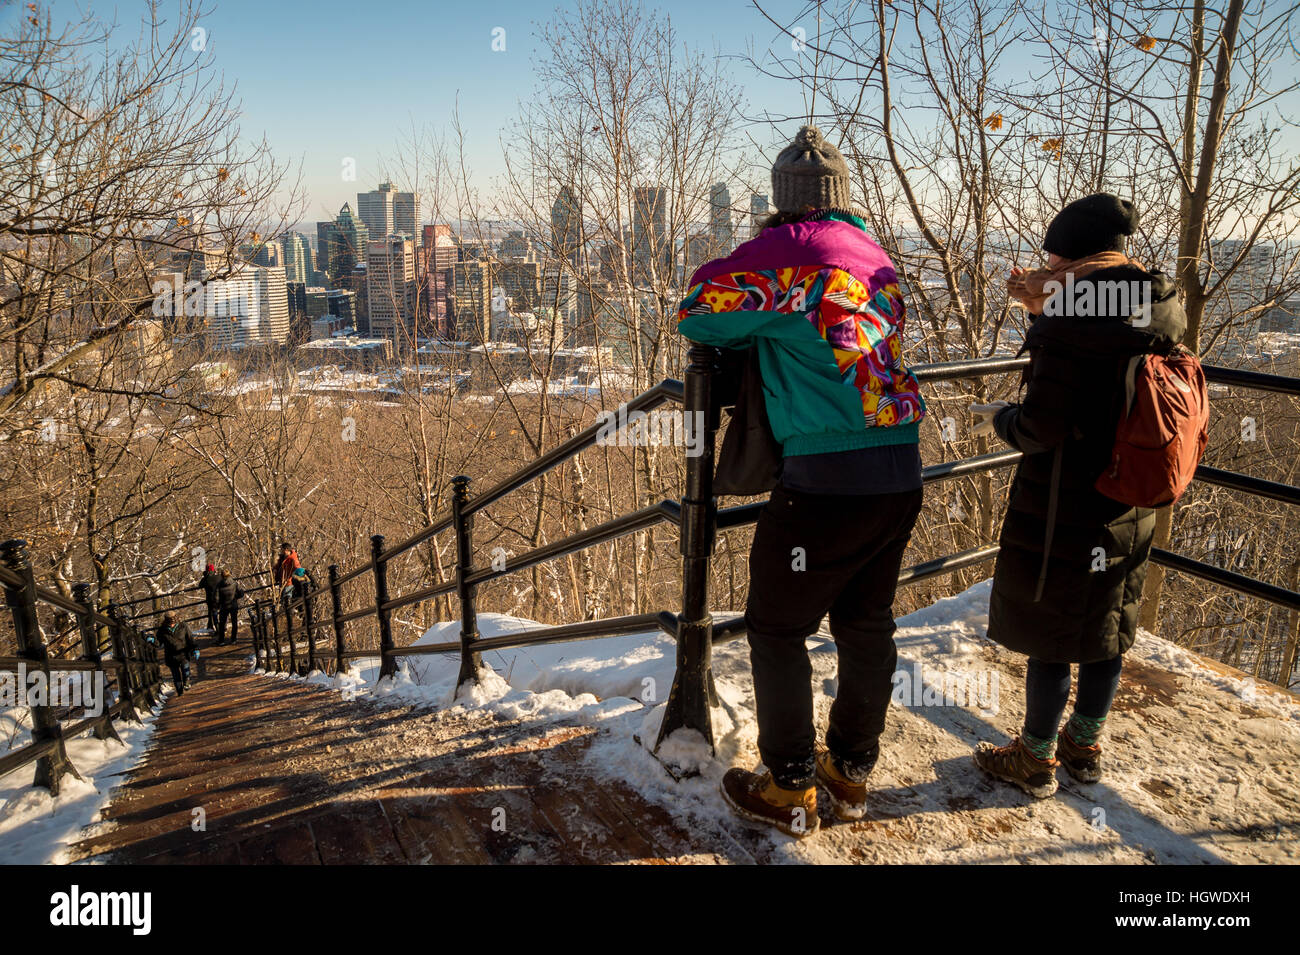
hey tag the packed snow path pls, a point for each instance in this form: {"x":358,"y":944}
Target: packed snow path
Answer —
{"x":1202,"y":768}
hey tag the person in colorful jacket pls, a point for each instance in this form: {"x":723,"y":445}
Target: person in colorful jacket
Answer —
{"x":820,"y":301}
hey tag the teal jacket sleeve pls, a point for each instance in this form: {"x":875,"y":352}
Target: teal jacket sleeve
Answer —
{"x":740,"y":329}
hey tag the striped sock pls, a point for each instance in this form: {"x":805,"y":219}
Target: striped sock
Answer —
{"x":1043,"y":749}
{"x":1085,"y":730}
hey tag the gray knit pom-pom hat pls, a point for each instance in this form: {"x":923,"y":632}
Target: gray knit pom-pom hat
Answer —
{"x":810,"y":172}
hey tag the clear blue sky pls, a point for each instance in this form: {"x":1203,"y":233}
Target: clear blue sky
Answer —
{"x":329,"y":79}
{"x":345,"y":78}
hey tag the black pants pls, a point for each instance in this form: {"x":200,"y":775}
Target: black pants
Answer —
{"x":1047,"y":691}
{"x":180,"y":668}
{"x":816,"y":554}
{"x":212,"y":615}
{"x":231,"y":614}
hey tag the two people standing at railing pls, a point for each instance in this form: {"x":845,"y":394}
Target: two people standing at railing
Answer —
{"x":818,"y":302}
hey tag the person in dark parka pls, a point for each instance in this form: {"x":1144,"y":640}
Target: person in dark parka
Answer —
{"x":178,"y":648}
{"x":229,"y":594}
{"x":1068,"y":582}
{"x":208,"y":584}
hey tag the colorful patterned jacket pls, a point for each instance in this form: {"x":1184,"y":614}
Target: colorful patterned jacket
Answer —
{"x":820,"y":300}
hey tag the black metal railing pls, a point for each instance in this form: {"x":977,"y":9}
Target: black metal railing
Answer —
{"x":110,"y":647}
{"x":699,"y":520}
{"x":278,"y":640}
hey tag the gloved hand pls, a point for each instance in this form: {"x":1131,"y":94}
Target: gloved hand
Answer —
{"x":196,"y":654}
{"x":984,"y":415}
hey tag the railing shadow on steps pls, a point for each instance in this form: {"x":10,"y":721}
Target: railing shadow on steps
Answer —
{"x":699,"y":520}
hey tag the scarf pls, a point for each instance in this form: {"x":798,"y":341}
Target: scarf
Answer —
{"x":1029,"y":287}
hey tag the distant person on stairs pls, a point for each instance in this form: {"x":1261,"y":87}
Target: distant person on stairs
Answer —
{"x":1068,"y":582}
{"x":229,"y":593}
{"x":208,"y":584}
{"x":282,"y":573}
{"x":286,"y":565}
{"x":819,"y":302}
{"x":178,"y":649}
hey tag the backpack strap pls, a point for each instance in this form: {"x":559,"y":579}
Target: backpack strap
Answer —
{"x":1053,"y":502}
{"x":1130,"y":380}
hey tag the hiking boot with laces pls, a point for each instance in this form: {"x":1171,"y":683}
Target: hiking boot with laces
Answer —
{"x":1014,"y":764}
{"x":1081,"y":762}
{"x":847,"y":790}
{"x":759,"y":799}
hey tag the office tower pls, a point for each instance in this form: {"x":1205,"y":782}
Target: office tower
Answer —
{"x":247,"y":307}
{"x":609,"y":255}
{"x":406,"y":215}
{"x":758,"y":211}
{"x":438,"y":251}
{"x":566,"y":227}
{"x":356,"y":281}
{"x":270,"y":255}
{"x":332,"y":310}
{"x":521,"y":283}
{"x":298,"y":265}
{"x":375,"y":209}
{"x":721,"y":230}
{"x":652,"y":254}
{"x":341,"y":244}
{"x":390,"y":287}
{"x":700,"y":247}
{"x":273,"y":304}
{"x":324,"y":243}
{"x":230,"y":309}
{"x":297,"y":292}
{"x":517,"y":247}
{"x":472,"y":299}
{"x":385,"y":211}
{"x":560,"y":296}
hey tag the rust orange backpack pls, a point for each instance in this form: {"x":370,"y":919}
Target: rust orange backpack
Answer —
{"x":1162,"y":431}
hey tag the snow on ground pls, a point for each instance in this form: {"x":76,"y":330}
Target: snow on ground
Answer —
{"x":35,"y":827}
{"x":1202,"y":767}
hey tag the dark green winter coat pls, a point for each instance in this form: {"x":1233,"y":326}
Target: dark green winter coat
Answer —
{"x":1080,"y":604}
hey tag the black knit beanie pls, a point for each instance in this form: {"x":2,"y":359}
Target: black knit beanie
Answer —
{"x":1096,"y":223}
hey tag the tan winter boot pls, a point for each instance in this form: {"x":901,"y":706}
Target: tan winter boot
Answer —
{"x":1014,"y":764}
{"x":848,"y":798}
{"x":759,"y":799}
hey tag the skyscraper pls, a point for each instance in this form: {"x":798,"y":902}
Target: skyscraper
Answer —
{"x":297,"y":258}
{"x":385,"y":211}
{"x":249,"y":306}
{"x":652,"y":254}
{"x":341,"y":244}
{"x":521,"y":283}
{"x":438,"y":250}
{"x":273,"y":304}
{"x":566,"y":226}
{"x":390,"y":287}
{"x":375,"y":209}
{"x":758,"y":211}
{"x":472,"y":299}
{"x":721,"y":230}
{"x":406,"y":215}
